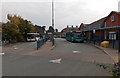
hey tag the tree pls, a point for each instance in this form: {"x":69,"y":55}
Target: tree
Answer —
{"x":56,"y":30}
{"x":40,"y":29}
{"x":51,"y":29}
{"x":43,"y":29}
{"x":16,"y":28}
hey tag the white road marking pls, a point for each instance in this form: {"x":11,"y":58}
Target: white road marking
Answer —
{"x":2,"y":53}
{"x":56,"y":61}
{"x":76,"y":52}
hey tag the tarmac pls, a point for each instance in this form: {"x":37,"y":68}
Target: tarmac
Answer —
{"x":113,"y":53}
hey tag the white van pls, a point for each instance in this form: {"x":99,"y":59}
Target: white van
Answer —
{"x":33,"y":36}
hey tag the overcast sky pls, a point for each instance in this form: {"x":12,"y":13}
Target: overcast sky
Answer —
{"x":67,"y":12}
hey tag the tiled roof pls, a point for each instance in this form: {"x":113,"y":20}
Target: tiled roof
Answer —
{"x":70,"y":28}
{"x":95,"y":25}
{"x":116,"y":12}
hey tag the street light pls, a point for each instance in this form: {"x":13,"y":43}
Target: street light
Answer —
{"x":52,"y":22}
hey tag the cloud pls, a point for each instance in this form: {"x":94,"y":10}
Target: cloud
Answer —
{"x":38,"y":13}
{"x":67,"y":12}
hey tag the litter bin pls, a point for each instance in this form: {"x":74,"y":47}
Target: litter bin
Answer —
{"x":105,"y":44}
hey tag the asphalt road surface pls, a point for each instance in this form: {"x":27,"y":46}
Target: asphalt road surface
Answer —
{"x":66,"y":59}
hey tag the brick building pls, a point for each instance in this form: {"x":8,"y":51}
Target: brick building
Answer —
{"x":103,"y":29}
{"x":67,"y":29}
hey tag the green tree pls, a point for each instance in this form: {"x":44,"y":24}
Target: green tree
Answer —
{"x":56,"y":30}
{"x":16,"y":28}
{"x":51,"y":29}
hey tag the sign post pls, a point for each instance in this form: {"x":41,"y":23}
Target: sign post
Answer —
{"x":119,"y":45}
{"x":94,"y":35}
{"x":119,"y":34}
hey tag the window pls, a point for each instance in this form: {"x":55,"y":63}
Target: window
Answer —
{"x":112,"y":35}
{"x":112,"y":18}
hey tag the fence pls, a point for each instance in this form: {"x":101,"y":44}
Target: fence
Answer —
{"x":96,"y":41}
{"x":41,"y":42}
{"x":53,"y":42}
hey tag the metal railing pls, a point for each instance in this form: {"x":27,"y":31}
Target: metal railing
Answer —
{"x":41,"y":42}
{"x":53,"y":42}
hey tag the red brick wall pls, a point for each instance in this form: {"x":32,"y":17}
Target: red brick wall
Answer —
{"x":97,"y":34}
{"x":113,"y":23}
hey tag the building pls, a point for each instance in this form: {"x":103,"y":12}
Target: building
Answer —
{"x":67,"y":29}
{"x":111,"y":28}
{"x":90,"y":29}
{"x":103,"y":29}
{"x":57,"y":34}
{"x":0,"y":31}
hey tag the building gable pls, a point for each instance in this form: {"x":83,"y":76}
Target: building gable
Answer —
{"x":113,"y":19}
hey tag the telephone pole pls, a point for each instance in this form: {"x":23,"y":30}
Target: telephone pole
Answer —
{"x":52,"y":14}
{"x":53,"y":23}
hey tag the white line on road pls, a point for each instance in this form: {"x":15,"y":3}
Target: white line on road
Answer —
{"x":2,"y":53}
{"x":56,"y":61}
{"x":76,"y":52}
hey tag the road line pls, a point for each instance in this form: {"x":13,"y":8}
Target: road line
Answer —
{"x":56,"y":61}
{"x":76,"y":52}
{"x":2,"y":53}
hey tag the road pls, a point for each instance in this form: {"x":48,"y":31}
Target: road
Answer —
{"x":77,"y":59}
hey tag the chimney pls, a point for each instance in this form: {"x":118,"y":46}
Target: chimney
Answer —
{"x":76,"y":26}
{"x":67,"y":26}
{"x":72,"y":26}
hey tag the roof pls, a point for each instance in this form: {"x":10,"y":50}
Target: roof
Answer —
{"x":85,"y":25}
{"x":71,"y":28}
{"x":111,"y":13}
{"x":116,"y":12}
{"x":95,"y":25}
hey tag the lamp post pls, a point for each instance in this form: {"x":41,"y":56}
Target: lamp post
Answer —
{"x":53,"y":22}
{"x":52,"y":14}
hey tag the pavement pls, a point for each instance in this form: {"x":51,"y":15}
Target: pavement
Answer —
{"x":44,"y":48}
{"x":27,"y":48}
{"x":113,"y":53}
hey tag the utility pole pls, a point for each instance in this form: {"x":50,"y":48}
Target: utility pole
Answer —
{"x":52,"y":14}
{"x":52,"y":23}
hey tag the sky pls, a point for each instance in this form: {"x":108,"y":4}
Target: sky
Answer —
{"x":66,"y":12}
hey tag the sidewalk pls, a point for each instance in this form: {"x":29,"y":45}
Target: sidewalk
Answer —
{"x":113,"y":53}
{"x":44,"y":48}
